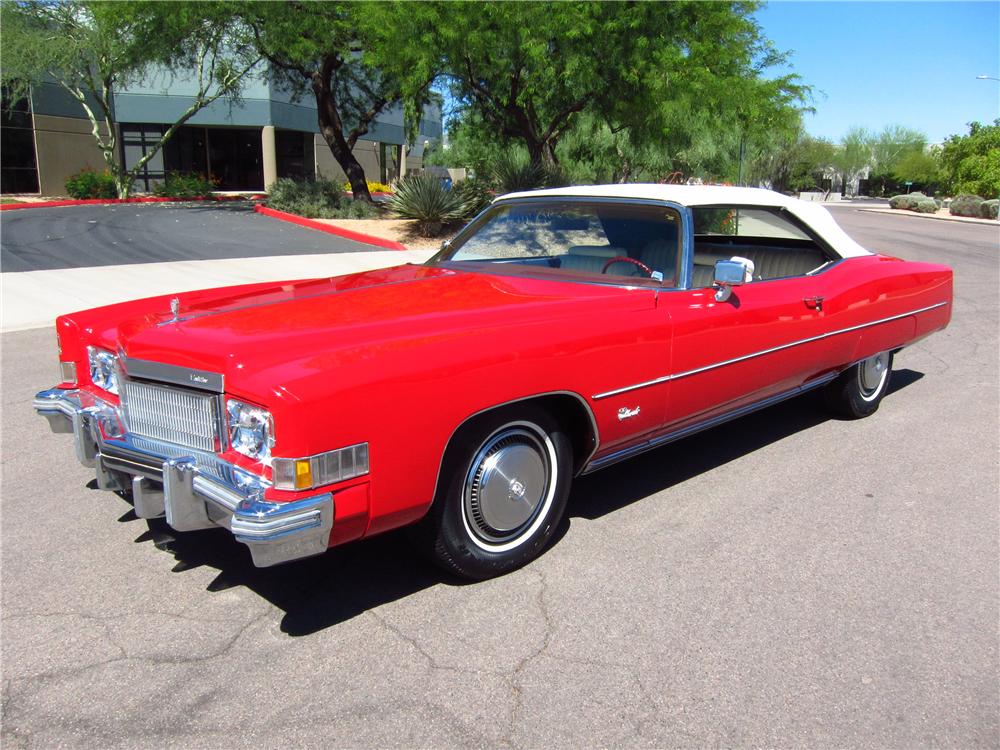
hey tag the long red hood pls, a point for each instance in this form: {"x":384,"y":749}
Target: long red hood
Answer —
{"x":267,"y":336}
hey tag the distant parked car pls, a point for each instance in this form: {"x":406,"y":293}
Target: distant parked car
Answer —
{"x":560,"y":332}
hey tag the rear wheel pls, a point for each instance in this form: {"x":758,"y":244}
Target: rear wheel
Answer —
{"x":503,"y":491}
{"x":858,"y":391}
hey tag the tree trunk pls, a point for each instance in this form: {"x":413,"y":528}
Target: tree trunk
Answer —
{"x":332,"y":128}
{"x":123,"y":180}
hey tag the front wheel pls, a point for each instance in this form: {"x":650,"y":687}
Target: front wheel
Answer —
{"x":858,"y":391}
{"x":505,"y":481}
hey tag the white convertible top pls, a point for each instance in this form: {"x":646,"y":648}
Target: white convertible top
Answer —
{"x":812,"y":214}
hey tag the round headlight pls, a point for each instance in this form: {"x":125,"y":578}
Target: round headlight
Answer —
{"x":103,"y":367}
{"x":251,"y":429}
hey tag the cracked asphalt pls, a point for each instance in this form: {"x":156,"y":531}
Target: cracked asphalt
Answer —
{"x":786,"y":580}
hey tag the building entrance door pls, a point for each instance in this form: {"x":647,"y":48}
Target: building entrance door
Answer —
{"x":235,"y":159}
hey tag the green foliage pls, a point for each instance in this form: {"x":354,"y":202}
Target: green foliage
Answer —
{"x":853,"y":154}
{"x":529,"y":70}
{"x":898,"y":156}
{"x":425,"y":199}
{"x":921,"y":167}
{"x":971,"y":163}
{"x":965,"y":205}
{"x":989,"y":209}
{"x":513,"y":171}
{"x":928,"y":206}
{"x":350,"y":58}
{"x":592,"y":153}
{"x":90,"y":184}
{"x":475,"y":193}
{"x":355,"y":209}
{"x":471,"y":144}
{"x":89,"y":48}
{"x":314,"y":199}
{"x":908,"y":201}
{"x":793,"y":163}
{"x":179,"y":185}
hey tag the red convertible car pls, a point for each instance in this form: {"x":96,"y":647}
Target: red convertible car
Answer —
{"x":560,"y":332}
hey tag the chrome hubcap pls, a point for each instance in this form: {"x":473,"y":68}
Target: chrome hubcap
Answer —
{"x":507,"y":482}
{"x":872,"y":373}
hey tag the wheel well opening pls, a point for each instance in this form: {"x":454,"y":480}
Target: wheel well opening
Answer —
{"x":570,"y":412}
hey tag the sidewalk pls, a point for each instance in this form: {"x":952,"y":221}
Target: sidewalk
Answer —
{"x":939,"y":217}
{"x":33,"y":299}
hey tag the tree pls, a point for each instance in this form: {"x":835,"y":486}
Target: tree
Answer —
{"x":894,"y":145}
{"x":794,"y":163}
{"x":529,"y":70}
{"x":852,"y":156}
{"x":971,"y":163}
{"x":345,"y":55}
{"x":91,"y":48}
{"x":921,"y":167}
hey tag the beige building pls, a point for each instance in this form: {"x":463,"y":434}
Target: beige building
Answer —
{"x":240,"y":146}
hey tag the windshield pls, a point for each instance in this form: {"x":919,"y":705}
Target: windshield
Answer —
{"x":606,"y":241}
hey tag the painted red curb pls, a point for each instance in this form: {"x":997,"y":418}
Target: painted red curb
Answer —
{"x":368,"y":239}
{"x":112,"y":201}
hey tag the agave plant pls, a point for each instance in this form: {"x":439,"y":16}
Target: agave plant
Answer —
{"x":513,"y":172}
{"x":427,"y":200}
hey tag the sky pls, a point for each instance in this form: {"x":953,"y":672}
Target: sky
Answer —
{"x":907,"y":62}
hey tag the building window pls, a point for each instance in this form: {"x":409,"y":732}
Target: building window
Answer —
{"x":18,"y":168}
{"x":290,"y":154}
{"x":137,"y":140}
{"x":230,"y":157}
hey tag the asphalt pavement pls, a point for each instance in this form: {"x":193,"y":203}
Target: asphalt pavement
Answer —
{"x":38,"y":239}
{"x":786,"y":580}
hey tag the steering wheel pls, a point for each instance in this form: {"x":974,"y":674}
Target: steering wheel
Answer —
{"x":625,"y":259}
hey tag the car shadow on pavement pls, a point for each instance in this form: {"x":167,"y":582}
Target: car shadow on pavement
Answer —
{"x":347,"y":581}
{"x":620,"y":485}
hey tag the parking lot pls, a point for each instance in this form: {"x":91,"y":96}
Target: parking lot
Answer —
{"x":784,"y":580}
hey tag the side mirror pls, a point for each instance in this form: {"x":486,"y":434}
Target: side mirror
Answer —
{"x":730,"y":273}
{"x":445,"y":246}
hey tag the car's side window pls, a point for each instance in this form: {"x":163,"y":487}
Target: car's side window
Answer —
{"x":778,"y":247}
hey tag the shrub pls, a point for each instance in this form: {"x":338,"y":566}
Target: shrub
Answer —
{"x":988,"y":209}
{"x":925,"y":207}
{"x":512,"y":173}
{"x":426,"y":199}
{"x":179,"y":185}
{"x":965,"y":205}
{"x":907,"y":201}
{"x":314,"y":199}
{"x":475,"y":193}
{"x":90,"y":184}
{"x":373,"y":187}
{"x":352,"y":209}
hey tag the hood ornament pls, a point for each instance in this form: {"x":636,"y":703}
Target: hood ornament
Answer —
{"x":175,"y":308}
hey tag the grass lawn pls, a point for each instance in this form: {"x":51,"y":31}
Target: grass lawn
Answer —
{"x":4,"y":199}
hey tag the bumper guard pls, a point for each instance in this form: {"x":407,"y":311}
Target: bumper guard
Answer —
{"x":192,"y":489}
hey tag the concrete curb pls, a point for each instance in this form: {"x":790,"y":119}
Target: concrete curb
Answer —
{"x":114,"y":201}
{"x":904,"y":212}
{"x":367,"y":239}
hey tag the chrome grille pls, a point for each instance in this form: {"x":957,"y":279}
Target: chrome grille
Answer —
{"x":171,"y":414}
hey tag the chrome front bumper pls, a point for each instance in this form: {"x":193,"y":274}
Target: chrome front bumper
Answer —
{"x":192,"y":489}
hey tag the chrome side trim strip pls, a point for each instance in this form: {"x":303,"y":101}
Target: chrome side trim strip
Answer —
{"x":697,"y":370}
{"x":684,"y":432}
